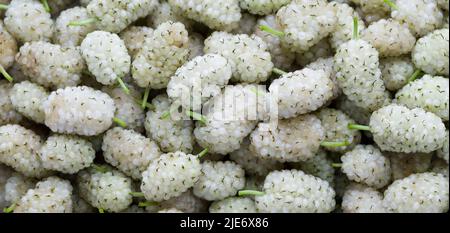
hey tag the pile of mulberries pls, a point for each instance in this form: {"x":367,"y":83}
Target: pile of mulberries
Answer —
{"x":224,"y":106}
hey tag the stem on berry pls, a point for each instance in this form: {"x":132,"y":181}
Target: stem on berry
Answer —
{"x":359,"y":127}
{"x":271,"y":30}
{"x":197,"y":116}
{"x":5,"y":74}
{"x":278,"y":71}
{"x":334,"y":144}
{"x":203,"y":153}
{"x":355,"y":28}
{"x":415,"y":75}
{"x":336,"y":165}
{"x":100,"y":168}
{"x":137,"y":194}
{"x":120,"y":122}
{"x":391,"y":4}
{"x":82,"y":22}
{"x":250,"y":193}
{"x":147,"y":203}
{"x":145,"y":99}
{"x":100,"y":210}
{"x":123,"y":85}
{"x":165,"y":115}
{"x":9,"y":209}
{"x":46,"y":6}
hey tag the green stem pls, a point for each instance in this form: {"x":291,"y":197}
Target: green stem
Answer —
{"x":124,"y":86}
{"x":165,"y":115}
{"x":334,"y":144}
{"x":100,"y":210}
{"x":9,"y":209}
{"x":197,"y":116}
{"x":355,"y":28}
{"x":3,"y":7}
{"x":203,"y":153}
{"x":415,"y":76}
{"x":145,"y":99}
{"x":278,"y":71}
{"x":147,"y":203}
{"x":271,"y":30}
{"x":120,"y":122}
{"x":5,"y":74}
{"x":336,"y":165}
{"x":100,"y":168}
{"x":137,"y":194}
{"x":359,"y":127}
{"x":250,"y":193}
{"x":83,"y":22}
{"x":391,"y":4}
{"x":46,"y":6}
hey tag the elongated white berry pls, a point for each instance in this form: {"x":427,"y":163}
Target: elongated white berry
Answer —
{"x":301,"y":92}
{"x":366,"y":164}
{"x":429,"y":93}
{"x":201,"y":78}
{"x":114,"y":16}
{"x":398,"y":129}
{"x":106,"y":188}
{"x":406,"y":11}
{"x":89,"y":112}
{"x":66,"y":154}
{"x":418,"y":193}
{"x":248,"y":55}
{"x":358,"y":74}
{"x":431,"y":53}
{"x":161,"y":55}
{"x":51,"y":65}
{"x":389,"y":37}
{"x":19,"y":149}
{"x":170,"y":175}
{"x":219,"y":180}
{"x":218,"y":15}
{"x":51,"y":195}
{"x":304,"y":23}
{"x":106,"y":56}
{"x":362,"y":199}
{"x":27,"y":21}
{"x":133,"y":155}
{"x":293,"y":191}
{"x":293,"y":140}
